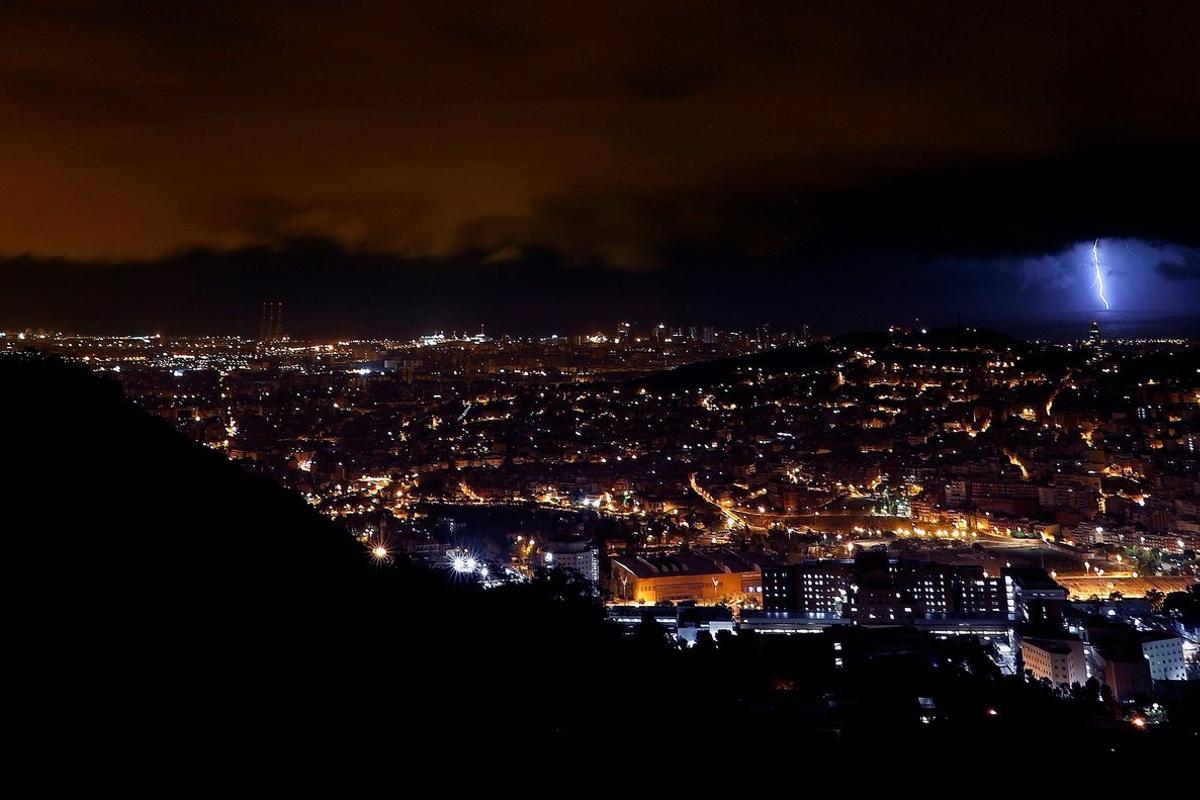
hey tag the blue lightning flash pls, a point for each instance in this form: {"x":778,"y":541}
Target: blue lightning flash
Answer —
{"x":1099,"y":281}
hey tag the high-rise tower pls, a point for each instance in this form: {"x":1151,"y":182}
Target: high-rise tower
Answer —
{"x":270,"y":328}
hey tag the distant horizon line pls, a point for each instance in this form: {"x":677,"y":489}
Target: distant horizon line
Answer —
{"x":464,"y":334}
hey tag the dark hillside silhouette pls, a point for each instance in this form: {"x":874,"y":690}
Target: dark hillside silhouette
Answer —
{"x":154,"y":584}
{"x":166,"y":606}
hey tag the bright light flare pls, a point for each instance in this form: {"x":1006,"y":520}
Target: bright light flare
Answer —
{"x":380,"y":552}
{"x":1099,"y":274}
{"x":464,"y":563}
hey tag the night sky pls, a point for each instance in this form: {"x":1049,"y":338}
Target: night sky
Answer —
{"x":392,"y":168}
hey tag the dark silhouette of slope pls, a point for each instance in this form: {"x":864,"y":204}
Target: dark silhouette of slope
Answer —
{"x":154,"y":585}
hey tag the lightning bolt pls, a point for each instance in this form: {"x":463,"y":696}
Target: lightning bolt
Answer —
{"x":1099,"y":281}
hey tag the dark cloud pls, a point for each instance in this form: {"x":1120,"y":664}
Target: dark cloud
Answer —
{"x":1047,"y":272}
{"x":263,"y":217}
{"x":1184,"y":268}
{"x":581,"y":145}
{"x":330,"y":290}
{"x":1024,"y":206}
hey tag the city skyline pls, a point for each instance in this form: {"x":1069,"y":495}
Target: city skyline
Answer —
{"x":370,"y":295}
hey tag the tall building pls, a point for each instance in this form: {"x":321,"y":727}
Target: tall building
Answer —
{"x":1060,"y":660}
{"x":1094,"y":339}
{"x":879,"y":590}
{"x":270,"y":328}
{"x":810,"y":587}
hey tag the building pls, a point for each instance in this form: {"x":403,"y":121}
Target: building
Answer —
{"x":812,"y":587}
{"x":709,"y":576}
{"x":578,"y":558}
{"x":1035,"y":597}
{"x":631,"y":617}
{"x":779,"y":585}
{"x":789,"y":622}
{"x":1060,"y":660}
{"x":685,"y":620}
{"x":270,"y":327}
{"x":1116,"y":658}
{"x":691,"y":620}
{"x":874,"y":588}
{"x":1126,"y":673}
{"x":1164,"y":653}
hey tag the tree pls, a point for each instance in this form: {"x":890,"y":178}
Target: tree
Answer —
{"x":1187,"y":603}
{"x":1157,"y":599}
{"x":650,"y":635}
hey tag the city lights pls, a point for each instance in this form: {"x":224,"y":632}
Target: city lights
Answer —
{"x":798,"y":487}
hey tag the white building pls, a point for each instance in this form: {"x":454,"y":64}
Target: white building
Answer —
{"x":1166,"y":657}
{"x":578,"y":558}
